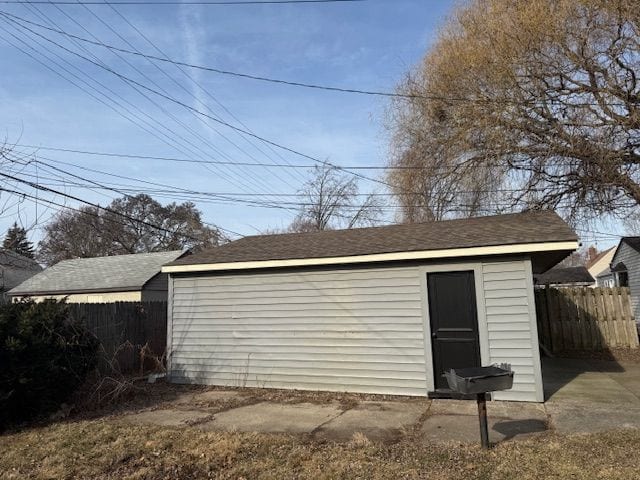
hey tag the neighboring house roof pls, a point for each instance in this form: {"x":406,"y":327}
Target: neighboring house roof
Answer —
{"x":564,"y":276}
{"x":15,"y":269}
{"x":633,"y":242}
{"x":540,"y":227}
{"x":99,"y":274}
{"x":599,"y":265}
{"x":600,"y":257}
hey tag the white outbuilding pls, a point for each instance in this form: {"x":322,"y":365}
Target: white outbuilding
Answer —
{"x":377,"y":310}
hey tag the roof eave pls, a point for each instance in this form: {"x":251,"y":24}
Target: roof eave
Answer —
{"x":565,"y":245}
{"x":40,"y":293}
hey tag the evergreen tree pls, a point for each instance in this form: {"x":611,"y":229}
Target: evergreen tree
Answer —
{"x":16,"y":240}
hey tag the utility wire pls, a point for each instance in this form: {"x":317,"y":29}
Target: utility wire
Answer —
{"x":165,"y":58}
{"x":246,"y":173}
{"x":199,"y":112}
{"x":155,"y":131}
{"x":250,"y":164}
{"x":295,"y":175}
{"x":248,"y":177}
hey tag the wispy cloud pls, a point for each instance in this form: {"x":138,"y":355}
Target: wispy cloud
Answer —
{"x":194,"y":36}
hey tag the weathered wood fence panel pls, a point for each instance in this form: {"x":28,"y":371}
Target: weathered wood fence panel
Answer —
{"x":124,"y":328}
{"x":583,"y":318}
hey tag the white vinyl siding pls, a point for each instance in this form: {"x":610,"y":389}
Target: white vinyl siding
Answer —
{"x":511,"y":326}
{"x":348,"y":330}
{"x":357,"y":329}
{"x":631,"y":259}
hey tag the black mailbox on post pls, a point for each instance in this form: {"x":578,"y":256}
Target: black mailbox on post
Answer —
{"x":480,"y":381}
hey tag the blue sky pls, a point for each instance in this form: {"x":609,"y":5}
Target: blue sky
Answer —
{"x":366,"y":45}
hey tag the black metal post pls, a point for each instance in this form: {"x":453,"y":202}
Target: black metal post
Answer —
{"x":482,"y":415}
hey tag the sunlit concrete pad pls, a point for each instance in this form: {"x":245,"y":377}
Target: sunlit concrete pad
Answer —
{"x":270,"y":417}
{"x":466,"y":429}
{"x":591,"y":418}
{"x":582,"y":382}
{"x":168,"y":418}
{"x":378,"y":421}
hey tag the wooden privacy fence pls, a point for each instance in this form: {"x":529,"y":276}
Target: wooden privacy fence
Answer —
{"x":124,"y":328}
{"x":583,"y":318}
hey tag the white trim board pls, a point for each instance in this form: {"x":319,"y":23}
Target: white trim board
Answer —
{"x":378,"y":257}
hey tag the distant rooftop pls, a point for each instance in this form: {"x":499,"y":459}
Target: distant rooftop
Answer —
{"x":15,"y":269}
{"x":113,"y":273}
{"x":564,"y":276}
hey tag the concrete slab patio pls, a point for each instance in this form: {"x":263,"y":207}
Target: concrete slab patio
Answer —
{"x":457,"y":421}
{"x":591,"y":381}
{"x":272,"y":417}
{"x":378,"y":421}
{"x":583,"y":396}
{"x":591,"y":395}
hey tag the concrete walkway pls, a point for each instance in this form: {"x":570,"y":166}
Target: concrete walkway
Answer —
{"x":591,"y":395}
{"x":583,"y":396}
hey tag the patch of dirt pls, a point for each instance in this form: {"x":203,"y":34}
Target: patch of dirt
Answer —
{"x":345,"y":399}
{"x":140,"y":396}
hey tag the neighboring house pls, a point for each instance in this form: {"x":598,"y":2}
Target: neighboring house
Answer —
{"x":15,"y":269}
{"x":565,"y":277}
{"x":117,"y":278}
{"x":377,"y":310}
{"x":599,"y":268}
{"x":625,"y":266}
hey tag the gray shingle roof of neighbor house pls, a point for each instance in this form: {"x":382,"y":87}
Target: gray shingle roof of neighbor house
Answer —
{"x":510,"y":229}
{"x":112,"y":273}
{"x":564,"y":275}
{"x":15,"y":269}
{"x":633,"y":242}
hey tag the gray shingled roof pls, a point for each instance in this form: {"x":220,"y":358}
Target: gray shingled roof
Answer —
{"x":517,"y":228}
{"x":633,"y":242}
{"x":564,"y":276}
{"x":15,"y":269}
{"x":114,"y":273}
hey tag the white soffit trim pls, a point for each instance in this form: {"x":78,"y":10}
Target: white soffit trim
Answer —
{"x":377,"y":257}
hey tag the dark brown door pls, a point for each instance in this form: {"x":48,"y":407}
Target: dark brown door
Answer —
{"x":454,"y":323}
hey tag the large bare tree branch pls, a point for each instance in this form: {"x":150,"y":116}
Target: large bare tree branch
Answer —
{"x":523,"y":105}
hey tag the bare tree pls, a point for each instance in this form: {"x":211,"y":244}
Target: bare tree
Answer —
{"x":137,"y":224}
{"x":523,"y":105}
{"x":331,"y":200}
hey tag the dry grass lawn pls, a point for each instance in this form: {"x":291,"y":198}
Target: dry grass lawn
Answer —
{"x":109,"y":449}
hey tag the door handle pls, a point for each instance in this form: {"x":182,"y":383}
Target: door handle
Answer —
{"x":434,"y":335}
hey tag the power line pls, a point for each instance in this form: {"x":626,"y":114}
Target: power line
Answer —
{"x":38,"y":186}
{"x":427,"y":96}
{"x":295,"y":175}
{"x":249,"y":76}
{"x":258,"y":182}
{"x":199,"y":112}
{"x":277,"y":194}
{"x":87,"y":212}
{"x":249,"y":164}
{"x":160,"y":134}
